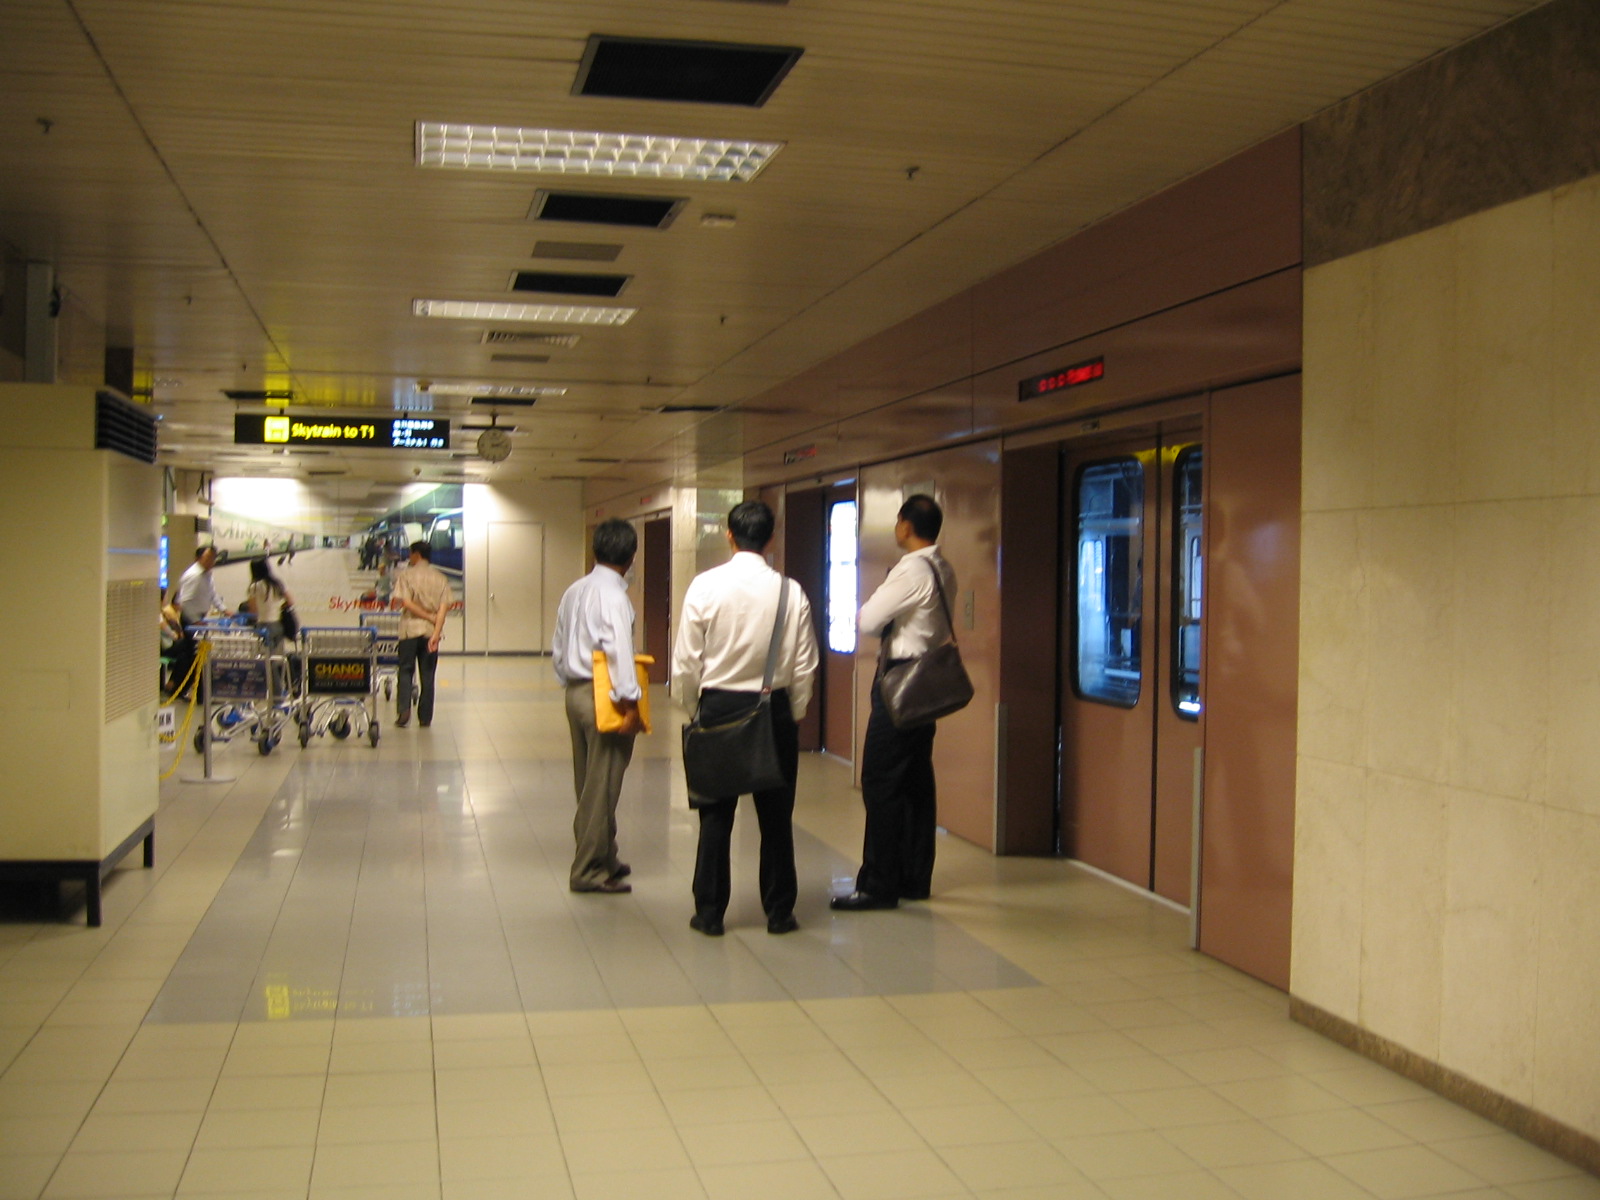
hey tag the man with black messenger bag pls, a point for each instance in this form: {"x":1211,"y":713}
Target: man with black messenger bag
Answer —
{"x":744,"y":660}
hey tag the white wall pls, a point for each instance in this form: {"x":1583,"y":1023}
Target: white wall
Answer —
{"x":556,"y":506}
{"x":1448,"y":806}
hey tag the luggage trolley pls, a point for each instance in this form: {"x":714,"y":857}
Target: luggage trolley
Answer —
{"x":242,"y":696}
{"x":385,"y":628}
{"x":338,"y":674}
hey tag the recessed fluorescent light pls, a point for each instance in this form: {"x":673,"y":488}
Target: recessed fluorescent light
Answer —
{"x":494,"y":389}
{"x":547,"y":314}
{"x":580,"y":152}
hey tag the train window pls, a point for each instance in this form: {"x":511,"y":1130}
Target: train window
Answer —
{"x":1110,"y":580}
{"x":1186,"y":580}
{"x":841,"y":586}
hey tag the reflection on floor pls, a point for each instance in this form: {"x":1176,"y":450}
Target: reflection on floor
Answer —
{"x":359,"y":973}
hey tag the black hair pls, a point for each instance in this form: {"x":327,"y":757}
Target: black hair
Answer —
{"x":751,"y":524}
{"x":615,"y":542}
{"x":925,"y":515}
{"x":423,"y":549}
{"x":260,"y":572}
{"x":199,"y":551}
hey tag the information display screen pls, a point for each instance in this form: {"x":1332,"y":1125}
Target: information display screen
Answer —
{"x":379,"y":433}
{"x":1066,"y":377}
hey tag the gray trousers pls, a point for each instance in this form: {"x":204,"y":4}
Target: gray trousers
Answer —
{"x":598,"y":763}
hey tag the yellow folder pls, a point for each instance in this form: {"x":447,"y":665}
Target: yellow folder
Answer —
{"x":606,"y":717}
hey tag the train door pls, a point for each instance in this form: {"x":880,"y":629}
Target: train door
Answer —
{"x":821,"y":540}
{"x":1130,"y":669}
{"x":655,"y":565}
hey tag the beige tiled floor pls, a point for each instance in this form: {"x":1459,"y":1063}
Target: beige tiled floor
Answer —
{"x":358,"y":973}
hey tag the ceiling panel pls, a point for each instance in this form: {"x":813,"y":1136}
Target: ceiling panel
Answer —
{"x":229,"y":187}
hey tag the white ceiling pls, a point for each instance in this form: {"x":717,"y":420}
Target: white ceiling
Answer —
{"x":229,"y":186}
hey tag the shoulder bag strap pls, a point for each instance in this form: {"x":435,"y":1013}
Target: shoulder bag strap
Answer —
{"x":944,"y":604}
{"x":777,"y":635}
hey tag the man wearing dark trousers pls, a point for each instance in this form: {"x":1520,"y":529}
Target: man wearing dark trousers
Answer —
{"x":897,"y":783}
{"x":596,"y":614}
{"x":719,"y":661}
{"x":424,"y":597}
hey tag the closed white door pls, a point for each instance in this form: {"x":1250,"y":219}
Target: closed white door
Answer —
{"x":514,"y":609}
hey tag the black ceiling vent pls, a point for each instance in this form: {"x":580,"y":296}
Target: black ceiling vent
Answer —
{"x":579,"y":251}
{"x":505,"y":337}
{"x":123,"y":426}
{"x":507,"y":401}
{"x":596,"y":208}
{"x":520,"y":358}
{"x":481,"y":428}
{"x":696,"y":72}
{"x":683,"y":408}
{"x":257,"y":396}
{"x":568,"y":283}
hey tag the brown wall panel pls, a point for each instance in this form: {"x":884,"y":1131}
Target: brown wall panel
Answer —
{"x":1030,"y":526}
{"x":939,"y":416}
{"x":1244,"y":333}
{"x":1252,"y":600}
{"x":966,"y":481}
{"x":1227,"y":225}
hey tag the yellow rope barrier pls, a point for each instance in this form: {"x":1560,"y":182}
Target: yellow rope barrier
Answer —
{"x":202,"y":652}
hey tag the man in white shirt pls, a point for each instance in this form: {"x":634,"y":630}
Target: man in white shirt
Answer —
{"x":719,"y":661}
{"x":424,"y":597}
{"x":596,"y":614}
{"x":897,"y":784}
{"x":196,"y":600}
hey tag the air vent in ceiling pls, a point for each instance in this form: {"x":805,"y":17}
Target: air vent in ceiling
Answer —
{"x":257,"y":396}
{"x":696,"y":72}
{"x":568,"y":283}
{"x":607,"y":461}
{"x":594,"y":208}
{"x":520,"y":358}
{"x":578,"y":251}
{"x":324,"y":473}
{"x":481,"y":428}
{"x":124,"y":427}
{"x":503,"y":337}
{"x":682,"y":408}
{"x":507,"y":401}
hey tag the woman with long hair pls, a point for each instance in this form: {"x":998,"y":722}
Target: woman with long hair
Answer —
{"x":266,"y":599}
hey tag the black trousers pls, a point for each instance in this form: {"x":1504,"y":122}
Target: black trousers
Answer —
{"x":414,"y":653}
{"x":713,"y":881}
{"x":898,"y":789}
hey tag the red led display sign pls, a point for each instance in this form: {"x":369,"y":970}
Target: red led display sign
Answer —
{"x":1055,"y":381}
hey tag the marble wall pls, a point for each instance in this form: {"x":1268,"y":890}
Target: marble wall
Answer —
{"x":1511,"y":113}
{"x":1448,"y":820}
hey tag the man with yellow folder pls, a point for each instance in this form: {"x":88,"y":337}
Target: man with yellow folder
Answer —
{"x":595,"y":625}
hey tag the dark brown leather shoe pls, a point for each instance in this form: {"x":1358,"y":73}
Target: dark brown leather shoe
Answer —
{"x":609,"y":887}
{"x":862,"y":902}
{"x":710,"y":926}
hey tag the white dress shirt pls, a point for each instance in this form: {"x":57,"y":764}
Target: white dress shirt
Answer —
{"x":726,"y":630}
{"x":197,"y":595}
{"x":908,"y":599}
{"x":596,"y":614}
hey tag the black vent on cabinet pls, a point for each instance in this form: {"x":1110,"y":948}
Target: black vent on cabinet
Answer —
{"x":597,"y":208}
{"x":569,"y":283}
{"x":694,"y":72}
{"x":122,"y":426}
{"x":578,"y":251}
